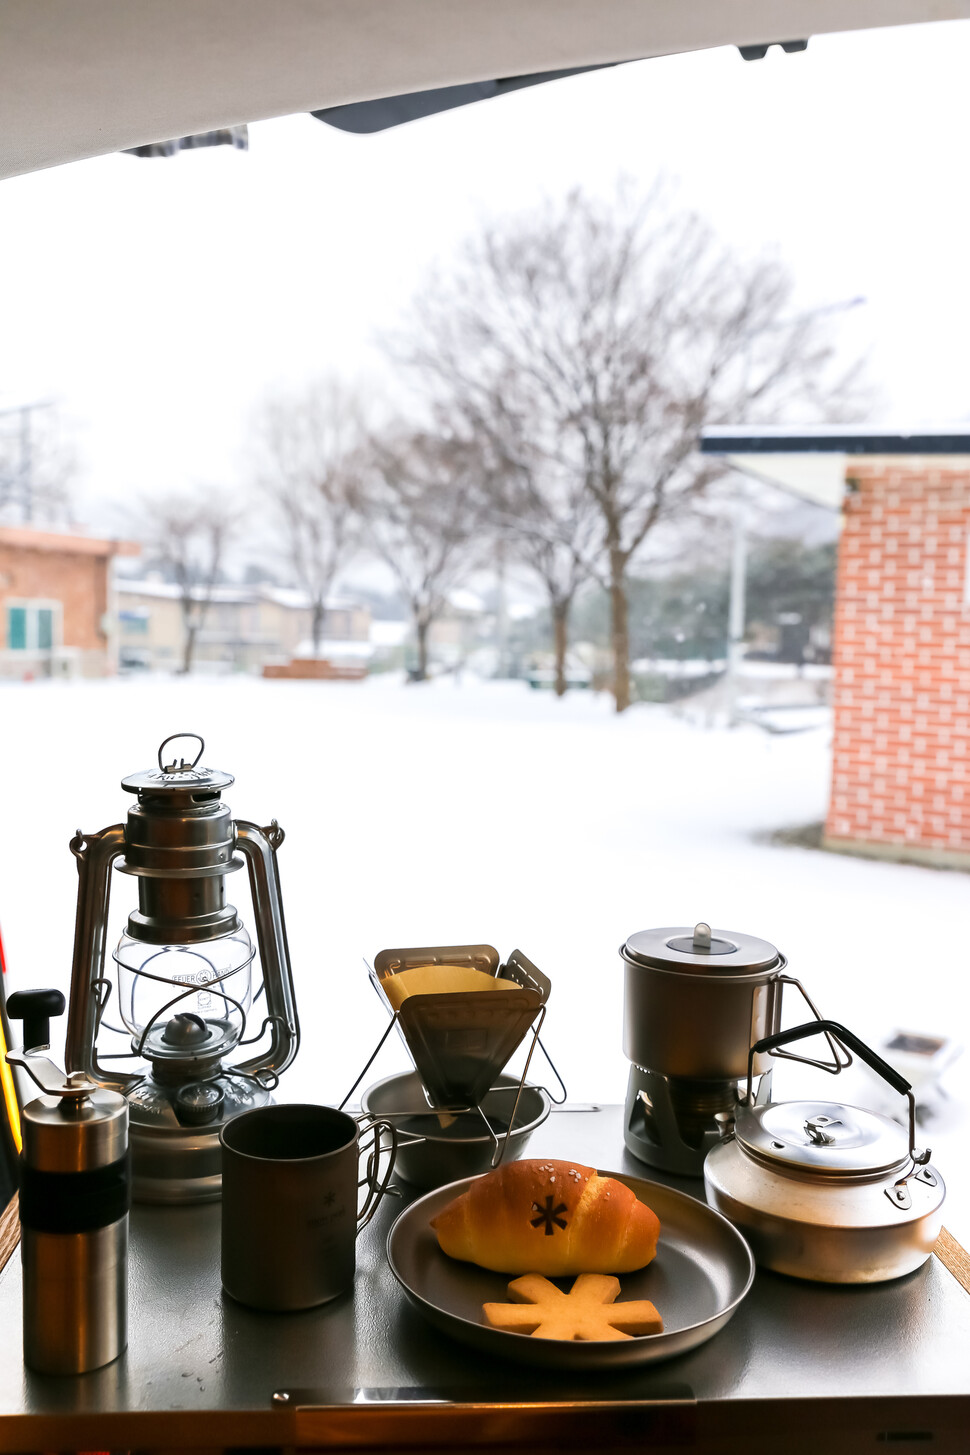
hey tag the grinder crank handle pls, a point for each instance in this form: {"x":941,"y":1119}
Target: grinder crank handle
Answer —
{"x":35,"y":1008}
{"x":865,"y":1053}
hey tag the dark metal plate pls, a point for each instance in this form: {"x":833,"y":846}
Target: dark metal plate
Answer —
{"x":702,"y":1271}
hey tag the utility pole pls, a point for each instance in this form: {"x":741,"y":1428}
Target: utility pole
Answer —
{"x":17,"y":469}
{"x":736,"y":607}
{"x":501,"y":612}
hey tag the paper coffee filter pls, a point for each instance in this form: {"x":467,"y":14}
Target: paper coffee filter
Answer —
{"x":437,"y":980}
{"x":462,"y":1015}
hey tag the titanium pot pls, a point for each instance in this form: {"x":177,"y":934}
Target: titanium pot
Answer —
{"x":826,"y":1191}
{"x":696,"y":1000}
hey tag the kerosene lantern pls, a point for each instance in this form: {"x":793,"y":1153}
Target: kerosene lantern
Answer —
{"x":182,"y":977}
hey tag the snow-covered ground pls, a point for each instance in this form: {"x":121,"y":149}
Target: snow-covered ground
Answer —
{"x":451,"y":813}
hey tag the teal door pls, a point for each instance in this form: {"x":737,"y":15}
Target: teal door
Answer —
{"x":17,"y":628}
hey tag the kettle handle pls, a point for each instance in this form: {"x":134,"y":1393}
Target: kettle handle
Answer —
{"x":865,"y":1053}
{"x":841,"y":1033}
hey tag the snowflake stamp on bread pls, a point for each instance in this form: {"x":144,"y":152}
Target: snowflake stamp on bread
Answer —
{"x":550,"y":1217}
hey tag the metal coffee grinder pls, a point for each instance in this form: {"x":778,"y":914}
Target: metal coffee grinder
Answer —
{"x":695,"y":1001}
{"x":182,"y":977}
{"x":74,"y":1180}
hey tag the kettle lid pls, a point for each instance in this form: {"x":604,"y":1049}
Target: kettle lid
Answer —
{"x":827,"y":1138}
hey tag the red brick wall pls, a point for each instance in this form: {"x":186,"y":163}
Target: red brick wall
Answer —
{"x":79,"y":582}
{"x":901,"y":752}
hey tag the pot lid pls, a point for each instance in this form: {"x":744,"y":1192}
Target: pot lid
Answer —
{"x":825,"y":1137}
{"x":701,"y":951}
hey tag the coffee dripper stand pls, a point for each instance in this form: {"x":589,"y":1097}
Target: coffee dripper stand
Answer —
{"x":459,"y":1042}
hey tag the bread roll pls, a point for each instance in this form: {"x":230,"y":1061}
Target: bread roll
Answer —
{"x":555,"y":1218}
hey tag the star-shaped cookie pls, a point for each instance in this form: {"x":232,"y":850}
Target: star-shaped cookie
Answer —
{"x":587,"y":1311}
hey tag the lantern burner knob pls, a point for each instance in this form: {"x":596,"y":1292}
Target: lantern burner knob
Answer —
{"x":199,"y":1104}
{"x":186,"y":1029}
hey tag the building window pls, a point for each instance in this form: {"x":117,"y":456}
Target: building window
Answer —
{"x":32,"y":626}
{"x":17,"y":628}
{"x":134,"y":622}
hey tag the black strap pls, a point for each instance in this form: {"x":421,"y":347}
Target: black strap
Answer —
{"x":74,"y":1202}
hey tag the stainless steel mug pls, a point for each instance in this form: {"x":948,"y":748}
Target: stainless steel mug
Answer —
{"x":290,"y":1215}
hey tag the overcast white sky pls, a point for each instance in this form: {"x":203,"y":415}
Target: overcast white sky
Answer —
{"x":157,"y":300}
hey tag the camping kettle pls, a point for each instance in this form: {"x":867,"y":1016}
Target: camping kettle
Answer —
{"x":822,"y":1190}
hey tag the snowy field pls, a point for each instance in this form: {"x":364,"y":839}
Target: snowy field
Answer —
{"x":448,"y":813}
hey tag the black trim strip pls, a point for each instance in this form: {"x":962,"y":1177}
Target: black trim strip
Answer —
{"x":74,"y":1202}
{"x":861,"y":444}
{"x":366,"y":117}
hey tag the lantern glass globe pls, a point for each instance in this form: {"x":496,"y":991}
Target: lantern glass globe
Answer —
{"x":211,"y":980}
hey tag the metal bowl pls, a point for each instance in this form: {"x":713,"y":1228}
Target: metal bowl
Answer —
{"x":462,"y":1148}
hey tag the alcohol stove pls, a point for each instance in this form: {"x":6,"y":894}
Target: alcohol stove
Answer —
{"x":182,"y":973}
{"x":695,"y":1001}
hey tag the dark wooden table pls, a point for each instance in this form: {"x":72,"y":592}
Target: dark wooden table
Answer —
{"x":800,"y":1367}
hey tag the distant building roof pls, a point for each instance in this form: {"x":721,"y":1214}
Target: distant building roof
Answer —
{"x":461,"y":599}
{"x":170,"y":591}
{"x":284,"y":596}
{"x":810,"y":460}
{"x":28,"y":538}
{"x":844,"y":439}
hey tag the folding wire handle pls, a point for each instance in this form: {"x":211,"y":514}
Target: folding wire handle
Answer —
{"x":838,"y":1063}
{"x":375,"y":1188}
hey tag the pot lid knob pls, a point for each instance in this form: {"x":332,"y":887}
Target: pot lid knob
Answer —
{"x":702,"y":936}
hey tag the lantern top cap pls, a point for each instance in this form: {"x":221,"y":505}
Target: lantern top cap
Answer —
{"x":177,"y":775}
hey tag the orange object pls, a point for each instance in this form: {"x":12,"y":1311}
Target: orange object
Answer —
{"x":556,"y":1218}
{"x":9,"y":1090}
{"x":589,"y":1310}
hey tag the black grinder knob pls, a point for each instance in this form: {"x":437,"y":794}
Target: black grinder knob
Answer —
{"x":35,"y":1008}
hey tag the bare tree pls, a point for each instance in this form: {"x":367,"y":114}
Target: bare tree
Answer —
{"x":308,"y":465}
{"x":423,"y":510}
{"x":629,"y":328}
{"x":541,"y":512}
{"x":190,"y":535}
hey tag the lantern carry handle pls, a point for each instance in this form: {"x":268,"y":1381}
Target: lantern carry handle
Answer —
{"x":183,"y":766}
{"x":95,"y":854}
{"x":258,"y":847}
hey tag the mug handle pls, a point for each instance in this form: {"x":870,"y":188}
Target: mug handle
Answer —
{"x":375,"y":1182}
